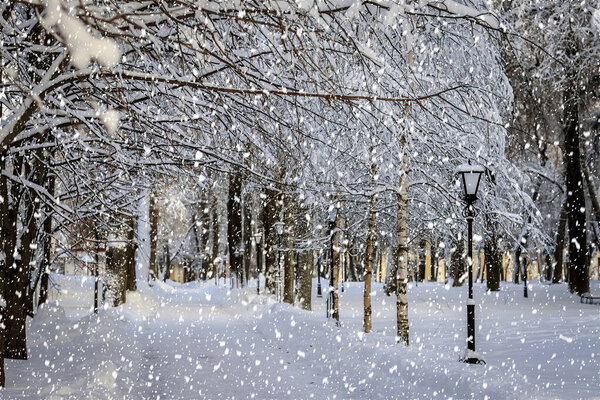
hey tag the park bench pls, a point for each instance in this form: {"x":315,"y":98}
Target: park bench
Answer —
{"x":587,"y":298}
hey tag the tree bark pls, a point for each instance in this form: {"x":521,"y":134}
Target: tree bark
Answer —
{"x":205,"y":235}
{"x":45,"y":262}
{"x":167,"y":274}
{"x":368,"y":274}
{"x":557,"y":272}
{"x":131,"y":283}
{"x":234,"y":225}
{"x":288,"y":275}
{"x":402,"y":334}
{"x":5,"y":247}
{"x":153,"y":235}
{"x":196,"y":228}
{"x":215,"y":242}
{"x":15,"y":345}
{"x":458,"y":265}
{"x":305,"y":274}
{"x":116,"y":273}
{"x":493,"y":256}
{"x":247,"y":238}
{"x":592,"y":193}
{"x":305,"y":266}
{"x":337,"y":239}
{"x":576,"y":207}
{"x":271,"y":212}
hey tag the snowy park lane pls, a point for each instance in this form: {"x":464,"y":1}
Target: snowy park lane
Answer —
{"x":198,"y":341}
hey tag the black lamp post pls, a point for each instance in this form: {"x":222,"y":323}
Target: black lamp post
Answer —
{"x":333,"y":212}
{"x":344,"y":265}
{"x":319,"y":293}
{"x":257,"y":238}
{"x":470,"y":176}
{"x":279,"y":228}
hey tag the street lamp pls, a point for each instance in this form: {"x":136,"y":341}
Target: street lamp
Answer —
{"x":470,"y":176}
{"x":257,"y":237}
{"x":333,"y":212}
{"x":279,"y":229}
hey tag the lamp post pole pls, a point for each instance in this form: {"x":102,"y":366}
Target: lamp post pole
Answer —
{"x":331,"y":280}
{"x":278,"y":274}
{"x":319,"y":293}
{"x":524,"y":275}
{"x":257,"y":237}
{"x":343,"y":270}
{"x":96,"y":279}
{"x":471,"y":177}
{"x":279,"y":229}
{"x":470,"y":301}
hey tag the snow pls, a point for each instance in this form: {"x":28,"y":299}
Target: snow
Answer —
{"x":460,"y":9}
{"x":82,"y":45}
{"x":198,"y":340}
{"x":110,"y":119}
{"x":469,"y":168}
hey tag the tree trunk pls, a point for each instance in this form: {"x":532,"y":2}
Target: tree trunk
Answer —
{"x":458,"y":265}
{"x":142,"y":260}
{"x":196,"y":228}
{"x":560,"y":245}
{"x":131,"y":250}
{"x":45,"y":262}
{"x":402,"y":334}
{"x":434,"y":260}
{"x":247,"y":238}
{"x":153,"y":235}
{"x":336,"y":259}
{"x":291,"y":232}
{"x":6,"y":233}
{"x":578,"y":272}
{"x":305,"y":274}
{"x":492,"y":256}
{"x":167,"y":274}
{"x":516,"y":266}
{"x":493,"y":263}
{"x":215,"y":243}
{"x":15,"y":344}
{"x":288,"y":276}
{"x":305,"y":265}
{"x":116,"y":273}
{"x":205,"y":236}
{"x":234,"y":225}
{"x":271,"y":212}
{"x":592,"y":193}
{"x":368,"y":275}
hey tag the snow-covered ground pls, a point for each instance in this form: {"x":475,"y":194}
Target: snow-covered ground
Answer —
{"x":199,"y":341}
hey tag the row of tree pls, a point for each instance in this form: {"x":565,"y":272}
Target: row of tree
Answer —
{"x":257,"y":112}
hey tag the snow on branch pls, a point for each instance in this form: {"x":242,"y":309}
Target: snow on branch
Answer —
{"x":40,"y":190}
{"x":82,"y":45}
{"x":455,"y":8}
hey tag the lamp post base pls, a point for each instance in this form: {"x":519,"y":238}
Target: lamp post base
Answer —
{"x":471,"y":357}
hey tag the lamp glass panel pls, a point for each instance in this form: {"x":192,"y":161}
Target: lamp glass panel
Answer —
{"x":333,"y":214}
{"x":279,"y":228}
{"x":471,"y":182}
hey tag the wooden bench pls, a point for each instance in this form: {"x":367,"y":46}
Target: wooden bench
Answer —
{"x":587,"y":298}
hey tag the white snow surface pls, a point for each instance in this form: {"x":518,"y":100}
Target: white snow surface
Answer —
{"x":200,"y":341}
